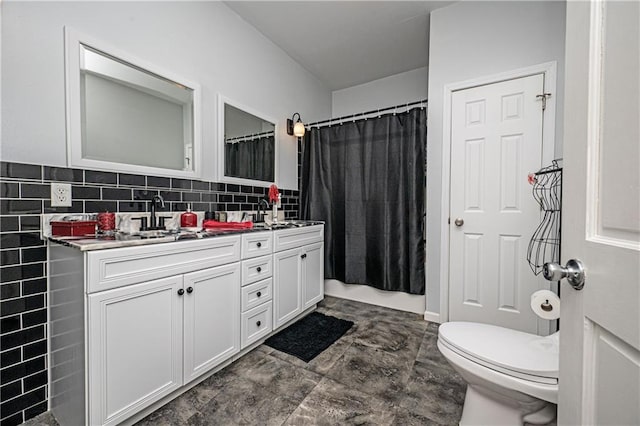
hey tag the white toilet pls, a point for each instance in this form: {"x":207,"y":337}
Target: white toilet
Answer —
{"x":512,"y":376}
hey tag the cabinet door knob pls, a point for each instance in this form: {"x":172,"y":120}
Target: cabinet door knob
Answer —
{"x":258,"y":323}
{"x":259,"y":269}
{"x":303,"y":256}
{"x":180,"y":292}
{"x":259,"y":244}
{"x":189,"y":289}
{"x":258,"y":294}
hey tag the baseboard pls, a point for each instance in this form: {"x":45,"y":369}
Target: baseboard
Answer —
{"x":432,"y":316}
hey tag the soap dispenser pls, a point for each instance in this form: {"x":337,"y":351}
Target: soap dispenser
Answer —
{"x":188,"y":219}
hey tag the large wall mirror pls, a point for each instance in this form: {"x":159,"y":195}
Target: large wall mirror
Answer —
{"x":248,"y":144}
{"x":128,"y":116}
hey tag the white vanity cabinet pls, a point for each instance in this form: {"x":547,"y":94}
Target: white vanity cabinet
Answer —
{"x":156,"y":318}
{"x":298,"y":272}
{"x":133,"y":326}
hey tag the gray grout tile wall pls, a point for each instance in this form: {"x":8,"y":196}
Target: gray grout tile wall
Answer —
{"x":24,"y":196}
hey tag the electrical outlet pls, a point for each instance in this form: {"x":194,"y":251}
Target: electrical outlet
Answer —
{"x":61,"y":194}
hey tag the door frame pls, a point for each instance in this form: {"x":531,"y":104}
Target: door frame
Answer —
{"x":549,"y":71}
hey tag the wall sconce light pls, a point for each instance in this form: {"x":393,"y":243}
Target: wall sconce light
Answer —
{"x":296,"y":129}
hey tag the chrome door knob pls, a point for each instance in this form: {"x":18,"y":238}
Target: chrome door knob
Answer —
{"x":459,"y":221}
{"x":573,"y":272}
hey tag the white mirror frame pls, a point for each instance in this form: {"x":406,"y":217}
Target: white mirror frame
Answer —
{"x":73,"y":41}
{"x":222,"y":100}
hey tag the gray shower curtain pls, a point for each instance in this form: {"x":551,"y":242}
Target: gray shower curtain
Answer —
{"x":251,"y":159}
{"x":366,"y":180}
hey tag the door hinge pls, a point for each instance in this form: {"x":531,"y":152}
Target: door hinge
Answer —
{"x":543,"y":98}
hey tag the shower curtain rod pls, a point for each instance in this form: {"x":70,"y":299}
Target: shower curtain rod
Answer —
{"x":250,"y":137}
{"x":367,"y":113}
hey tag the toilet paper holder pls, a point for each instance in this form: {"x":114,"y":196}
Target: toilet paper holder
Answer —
{"x":546,"y":306}
{"x":573,"y":272}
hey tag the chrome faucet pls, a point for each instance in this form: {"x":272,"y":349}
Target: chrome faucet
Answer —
{"x":153,"y":223}
{"x":260,"y":217}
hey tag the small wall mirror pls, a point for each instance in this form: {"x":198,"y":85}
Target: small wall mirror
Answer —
{"x":127,"y":116}
{"x":248,"y":145}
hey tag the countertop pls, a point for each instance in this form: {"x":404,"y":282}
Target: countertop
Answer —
{"x":103,"y":242}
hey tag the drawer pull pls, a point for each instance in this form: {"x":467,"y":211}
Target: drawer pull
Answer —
{"x":258,"y":323}
{"x":181,"y":292}
{"x":259,"y":244}
{"x":189,"y":289}
{"x":259,"y":269}
{"x":258,"y":294}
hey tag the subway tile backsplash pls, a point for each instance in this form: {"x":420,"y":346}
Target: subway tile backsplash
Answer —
{"x":24,"y":196}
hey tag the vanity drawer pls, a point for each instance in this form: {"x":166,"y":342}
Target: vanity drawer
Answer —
{"x":257,"y":244}
{"x":256,"y":324}
{"x":118,"y":267}
{"x":296,"y":237}
{"x":256,"y":294}
{"x":257,"y":269}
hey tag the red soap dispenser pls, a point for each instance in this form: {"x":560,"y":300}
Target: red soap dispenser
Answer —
{"x":188,"y":219}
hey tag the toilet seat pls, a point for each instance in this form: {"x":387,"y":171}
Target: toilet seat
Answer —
{"x":514,"y":353}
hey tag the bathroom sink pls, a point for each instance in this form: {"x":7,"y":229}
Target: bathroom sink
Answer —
{"x":144,"y":235}
{"x":159,"y":233}
{"x":289,"y":224}
{"x":261,"y":225}
{"x":284,"y":225}
{"x":279,"y":225}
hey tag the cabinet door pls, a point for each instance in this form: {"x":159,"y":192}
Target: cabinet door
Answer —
{"x":287,"y":286}
{"x":211,"y":318}
{"x":312,"y":274}
{"x":134,"y":347}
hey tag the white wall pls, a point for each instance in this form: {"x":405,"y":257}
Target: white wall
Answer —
{"x":389,"y":91}
{"x":204,"y":42}
{"x":476,"y":39}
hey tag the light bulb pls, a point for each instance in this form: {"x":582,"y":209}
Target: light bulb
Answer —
{"x":298,"y":129}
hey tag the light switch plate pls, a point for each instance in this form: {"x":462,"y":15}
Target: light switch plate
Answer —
{"x":61,"y":194}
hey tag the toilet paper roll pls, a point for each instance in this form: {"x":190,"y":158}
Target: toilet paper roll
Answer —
{"x":545,"y":304}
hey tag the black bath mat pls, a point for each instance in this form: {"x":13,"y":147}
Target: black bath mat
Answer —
{"x":308,"y":337}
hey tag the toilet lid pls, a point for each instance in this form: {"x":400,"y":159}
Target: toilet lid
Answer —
{"x":504,"y":348}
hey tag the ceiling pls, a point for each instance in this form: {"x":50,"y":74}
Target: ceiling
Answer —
{"x":346,"y":43}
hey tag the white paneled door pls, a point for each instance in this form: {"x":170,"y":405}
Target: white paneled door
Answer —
{"x":496,"y":140}
{"x":600,"y":324}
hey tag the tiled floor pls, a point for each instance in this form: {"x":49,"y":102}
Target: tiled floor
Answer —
{"x":386,"y":370}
